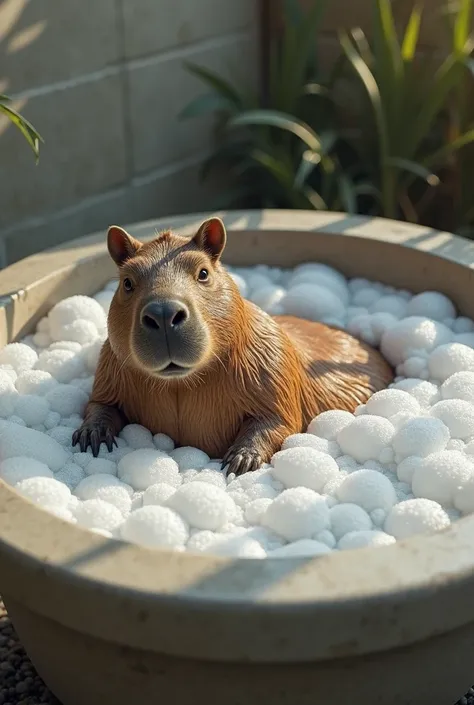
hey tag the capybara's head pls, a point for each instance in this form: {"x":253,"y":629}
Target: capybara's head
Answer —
{"x":174,"y":307}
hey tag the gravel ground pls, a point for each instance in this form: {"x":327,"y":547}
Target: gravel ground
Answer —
{"x":21,"y":685}
{"x":19,"y":682}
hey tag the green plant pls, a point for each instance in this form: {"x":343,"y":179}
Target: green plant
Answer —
{"x":26,"y":128}
{"x":272,"y":154}
{"x":406,"y":108}
{"x":397,"y":146}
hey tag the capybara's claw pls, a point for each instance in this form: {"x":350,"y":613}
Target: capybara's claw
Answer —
{"x":110,"y":441}
{"x":241,"y":460}
{"x":93,"y":436}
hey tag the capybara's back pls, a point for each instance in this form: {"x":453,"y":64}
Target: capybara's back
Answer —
{"x":342,"y":371}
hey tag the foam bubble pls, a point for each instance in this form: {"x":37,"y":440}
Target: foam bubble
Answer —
{"x":366,"y":437}
{"x":297,"y":513}
{"x":416,"y":516}
{"x":203,"y":506}
{"x":304,"y":467}
{"x":363,"y":539}
{"x":146,"y":467}
{"x":440,"y":475}
{"x":155,"y":526}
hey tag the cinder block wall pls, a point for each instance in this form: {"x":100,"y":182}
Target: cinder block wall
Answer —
{"x":103,"y":82}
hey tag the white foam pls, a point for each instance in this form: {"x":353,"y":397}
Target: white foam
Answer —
{"x":413,"y":334}
{"x":369,"y":489}
{"x":137,"y":436}
{"x":304,"y":467}
{"x":71,"y":474}
{"x":363,"y":539}
{"x":314,"y":302}
{"x":45,"y":491}
{"x":237,"y":545}
{"x":98,"y":514}
{"x":308,"y":440}
{"x":15,"y":440}
{"x":345,"y":518}
{"x":450,"y":358}
{"x":16,"y":469}
{"x":416,"y":516}
{"x":458,"y":415}
{"x":190,"y":458}
{"x":420,"y":436}
{"x":118,"y":495}
{"x":8,"y":395}
{"x":366,"y":437}
{"x":431,"y":304}
{"x":100,"y":466}
{"x":389,"y":402}
{"x":155,"y":526}
{"x":203,"y":506}
{"x":163,"y":442}
{"x":72,"y":309}
{"x":66,"y":399}
{"x":297,"y":513}
{"x":91,"y":487}
{"x":403,"y":464}
{"x":329,"y":424}
{"x":63,"y":365}
{"x":145,"y":467}
{"x":439,"y":476}
{"x":158,"y":494}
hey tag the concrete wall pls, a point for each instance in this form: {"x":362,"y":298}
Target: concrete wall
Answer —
{"x":103,"y":82}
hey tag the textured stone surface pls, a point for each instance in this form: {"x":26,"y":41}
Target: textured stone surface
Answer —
{"x":20,"y":684}
{"x":82,"y":72}
{"x":152,"y":26}
{"x":160,"y":89}
{"x":92,"y":215}
{"x":45,"y":41}
{"x":176,"y":190}
{"x":83,"y":152}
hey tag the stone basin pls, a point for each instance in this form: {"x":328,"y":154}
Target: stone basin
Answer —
{"x":108,"y":623}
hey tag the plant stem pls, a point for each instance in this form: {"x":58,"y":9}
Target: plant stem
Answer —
{"x":389,"y":200}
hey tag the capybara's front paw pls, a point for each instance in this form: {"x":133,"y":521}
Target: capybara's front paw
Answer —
{"x":93,"y":434}
{"x":241,"y":460}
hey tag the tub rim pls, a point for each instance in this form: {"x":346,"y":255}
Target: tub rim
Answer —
{"x":378,"y":590}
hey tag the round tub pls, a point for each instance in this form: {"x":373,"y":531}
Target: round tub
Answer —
{"x":107,"y":623}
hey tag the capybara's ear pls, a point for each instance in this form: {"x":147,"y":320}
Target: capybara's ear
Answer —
{"x":211,"y":237}
{"x":122,"y":246}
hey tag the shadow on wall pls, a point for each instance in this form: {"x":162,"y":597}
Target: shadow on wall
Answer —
{"x":106,"y":105}
{"x":46,"y":47}
{"x":27,"y":55}
{"x":17,"y":34}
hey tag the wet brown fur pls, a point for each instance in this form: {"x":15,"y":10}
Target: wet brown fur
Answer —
{"x":262,"y":379}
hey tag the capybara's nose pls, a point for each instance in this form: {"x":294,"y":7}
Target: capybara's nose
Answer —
{"x":164,"y":315}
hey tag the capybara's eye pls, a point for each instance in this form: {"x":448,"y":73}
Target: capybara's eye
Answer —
{"x":203,"y":275}
{"x":127,"y":285}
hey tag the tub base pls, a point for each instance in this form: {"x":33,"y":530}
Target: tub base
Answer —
{"x":80,"y":669}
